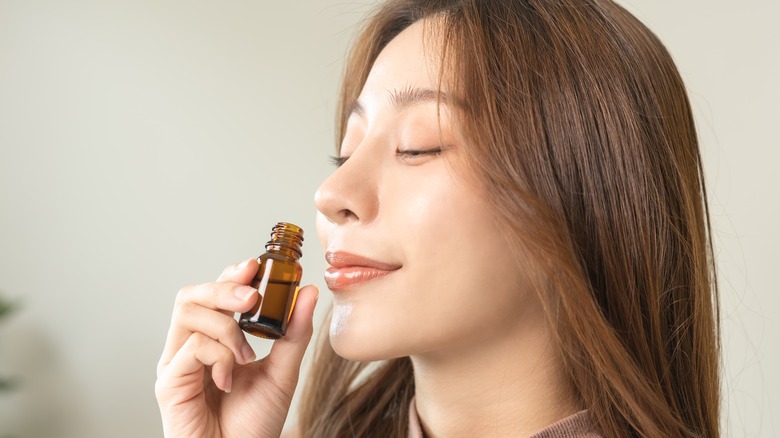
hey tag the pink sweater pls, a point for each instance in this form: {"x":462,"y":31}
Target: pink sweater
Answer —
{"x":575,"y":426}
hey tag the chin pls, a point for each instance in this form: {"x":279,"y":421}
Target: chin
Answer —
{"x":355,"y":350}
{"x":354,"y":342}
{"x":352,"y":346}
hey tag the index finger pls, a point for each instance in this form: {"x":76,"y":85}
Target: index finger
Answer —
{"x":242,"y":272}
{"x":224,"y":296}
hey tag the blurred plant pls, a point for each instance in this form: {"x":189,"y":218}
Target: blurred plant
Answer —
{"x":6,"y":308}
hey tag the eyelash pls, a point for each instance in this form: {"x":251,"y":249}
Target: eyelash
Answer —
{"x":412,"y":153}
{"x":337,"y":161}
{"x":407,"y":153}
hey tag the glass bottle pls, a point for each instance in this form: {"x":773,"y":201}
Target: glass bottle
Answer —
{"x":277,"y":283}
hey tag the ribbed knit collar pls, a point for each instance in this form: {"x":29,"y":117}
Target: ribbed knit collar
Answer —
{"x":578,"y":425}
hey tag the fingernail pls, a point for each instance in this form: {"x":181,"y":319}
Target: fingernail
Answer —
{"x":229,"y":383}
{"x":248,"y":353}
{"x":242,"y":265}
{"x":244,"y":292}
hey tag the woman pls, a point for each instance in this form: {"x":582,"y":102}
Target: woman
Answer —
{"x":520,"y":193}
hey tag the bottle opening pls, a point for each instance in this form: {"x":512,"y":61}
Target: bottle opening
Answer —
{"x":286,"y":235}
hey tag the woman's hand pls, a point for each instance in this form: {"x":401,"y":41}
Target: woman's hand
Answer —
{"x":208,"y":382}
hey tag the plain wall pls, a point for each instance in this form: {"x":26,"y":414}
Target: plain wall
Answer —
{"x":145,"y":145}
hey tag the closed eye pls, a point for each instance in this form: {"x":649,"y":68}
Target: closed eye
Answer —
{"x":418,"y":153}
{"x":406,"y":154}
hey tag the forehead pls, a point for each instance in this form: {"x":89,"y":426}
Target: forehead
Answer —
{"x":411,"y":59}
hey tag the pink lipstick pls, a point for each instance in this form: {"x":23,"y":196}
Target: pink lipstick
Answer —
{"x":350,"y":270}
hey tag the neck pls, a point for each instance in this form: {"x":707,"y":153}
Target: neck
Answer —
{"x":512,"y":386}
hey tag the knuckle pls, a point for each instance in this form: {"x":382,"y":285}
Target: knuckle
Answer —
{"x":159,"y":389}
{"x":160,"y":368}
{"x":222,"y":354}
{"x":229,"y":327}
{"x":216,"y":290}
{"x":226,"y":356}
{"x":221,"y":288}
{"x":198,"y":340}
{"x":182,"y":295}
{"x":182,"y":310}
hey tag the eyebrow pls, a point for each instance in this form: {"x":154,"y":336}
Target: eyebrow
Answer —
{"x":402,"y":99}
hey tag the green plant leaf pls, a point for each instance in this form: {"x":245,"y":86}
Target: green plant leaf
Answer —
{"x":7,"y":385}
{"x":6,"y":307}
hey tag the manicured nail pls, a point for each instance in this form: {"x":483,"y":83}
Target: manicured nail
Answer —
{"x":244,"y":292}
{"x":248,"y":353}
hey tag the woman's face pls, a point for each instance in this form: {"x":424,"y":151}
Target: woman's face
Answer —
{"x":419,"y":265}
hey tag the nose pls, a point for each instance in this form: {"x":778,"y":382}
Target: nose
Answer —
{"x":350,"y":193}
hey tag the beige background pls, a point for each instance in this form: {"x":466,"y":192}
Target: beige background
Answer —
{"x":146,"y":144}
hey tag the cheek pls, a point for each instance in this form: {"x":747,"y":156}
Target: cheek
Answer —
{"x":459,"y":264}
{"x":440,"y":215}
{"x":324,"y":228}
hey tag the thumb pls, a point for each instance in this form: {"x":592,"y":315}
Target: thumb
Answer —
{"x":284,"y":361}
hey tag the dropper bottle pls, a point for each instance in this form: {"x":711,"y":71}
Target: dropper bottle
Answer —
{"x":277,"y":281}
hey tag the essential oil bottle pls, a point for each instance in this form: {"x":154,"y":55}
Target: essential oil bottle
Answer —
{"x":277,"y":283}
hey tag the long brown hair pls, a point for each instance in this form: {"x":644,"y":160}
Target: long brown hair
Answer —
{"x":578,"y":122}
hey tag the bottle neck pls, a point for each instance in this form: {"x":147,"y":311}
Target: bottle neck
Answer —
{"x":283,"y":250}
{"x":286,"y":240}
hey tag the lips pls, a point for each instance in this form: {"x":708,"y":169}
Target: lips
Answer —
{"x":350,"y":270}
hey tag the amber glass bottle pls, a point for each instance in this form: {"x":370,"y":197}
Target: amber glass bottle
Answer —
{"x":277,"y":283}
